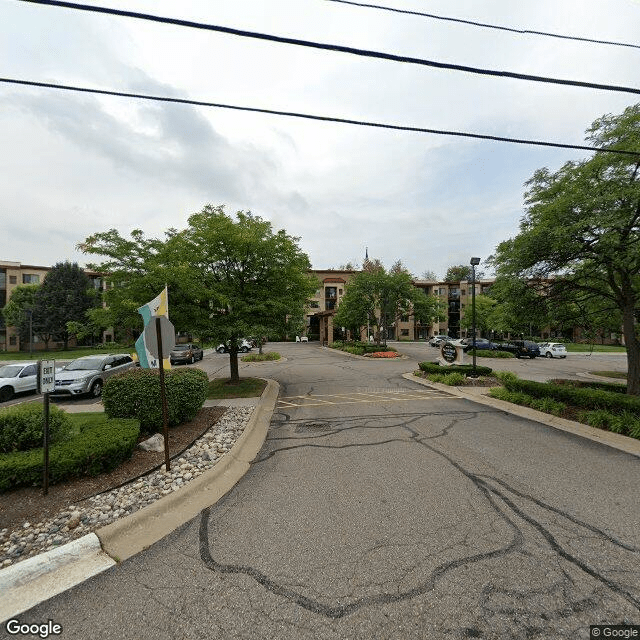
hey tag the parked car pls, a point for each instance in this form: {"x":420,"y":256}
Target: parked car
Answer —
{"x":481,"y":343}
{"x":553,"y":350}
{"x":437,"y":340}
{"x":520,"y":348}
{"x":186,"y":353}
{"x":243,"y":347}
{"x":88,"y":374}
{"x":17,"y":378}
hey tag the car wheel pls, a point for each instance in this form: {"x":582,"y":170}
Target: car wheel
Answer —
{"x":96,"y":389}
{"x":548,"y":354}
{"x":220,"y":349}
{"x":193,"y":359}
{"x":517,"y":355}
{"x":6,"y":393}
{"x":244,"y":349}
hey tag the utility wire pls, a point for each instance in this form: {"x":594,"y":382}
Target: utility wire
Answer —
{"x":488,"y":26}
{"x":333,"y":47}
{"x":308,"y":116}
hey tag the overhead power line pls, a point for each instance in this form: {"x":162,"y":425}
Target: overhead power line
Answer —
{"x":488,"y":26}
{"x":308,"y":116}
{"x":333,"y":47}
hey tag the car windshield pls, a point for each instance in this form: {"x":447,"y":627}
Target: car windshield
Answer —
{"x":84,"y":364}
{"x":181,"y":347}
{"x":10,"y":370}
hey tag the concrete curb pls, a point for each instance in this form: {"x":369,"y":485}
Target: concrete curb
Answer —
{"x":30,"y":582}
{"x":607,"y":438}
{"x":39,"y":578}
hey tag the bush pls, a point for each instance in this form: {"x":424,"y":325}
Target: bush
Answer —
{"x":359,"y":348}
{"x":22,"y":428}
{"x":515,"y":397}
{"x":584,"y":398}
{"x":100,"y":446}
{"x":548,"y":405}
{"x":261,"y":357}
{"x":504,"y":376}
{"x":486,"y":353}
{"x":454,"y":379}
{"x":434,"y":367}
{"x":136,"y":394}
{"x":603,"y":386}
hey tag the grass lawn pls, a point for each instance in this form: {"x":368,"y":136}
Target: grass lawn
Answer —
{"x":91,"y":419}
{"x":222,"y":389}
{"x":261,"y":357}
{"x":575,"y":347}
{"x":59,"y":354}
{"x":610,"y":374}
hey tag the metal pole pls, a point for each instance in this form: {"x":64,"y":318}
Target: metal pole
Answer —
{"x":30,"y":332}
{"x":45,"y":471}
{"x":473,"y":314}
{"x":163,"y":395}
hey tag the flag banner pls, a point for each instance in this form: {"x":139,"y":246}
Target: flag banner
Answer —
{"x":159,"y":306}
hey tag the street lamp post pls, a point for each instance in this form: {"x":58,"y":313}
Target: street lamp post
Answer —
{"x":474,"y":263}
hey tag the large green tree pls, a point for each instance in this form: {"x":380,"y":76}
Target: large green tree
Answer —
{"x":228,"y":276}
{"x":580,"y":235}
{"x":18,"y":310}
{"x":65,"y":295}
{"x":378,"y":298}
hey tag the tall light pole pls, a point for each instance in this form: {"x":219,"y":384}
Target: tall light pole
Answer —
{"x":474,"y":263}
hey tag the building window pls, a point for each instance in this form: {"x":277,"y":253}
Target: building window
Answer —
{"x":404,"y":332}
{"x":13,"y":279}
{"x":314,"y":304}
{"x":13,"y":340}
{"x":30,"y":278}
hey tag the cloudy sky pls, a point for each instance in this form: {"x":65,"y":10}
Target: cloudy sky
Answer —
{"x":75,"y":164}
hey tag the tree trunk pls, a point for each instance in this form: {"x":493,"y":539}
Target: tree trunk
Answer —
{"x":233,"y":364}
{"x":633,"y":350}
{"x":260,"y":345}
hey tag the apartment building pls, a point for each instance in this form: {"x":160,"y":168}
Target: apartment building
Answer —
{"x":332,"y":285}
{"x":13,"y":274}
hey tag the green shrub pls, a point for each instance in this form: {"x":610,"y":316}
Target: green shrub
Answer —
{"x":454,"y":379}
{"x":434,"y":367}
{"x":548,"y":405}
{"x":22,"y":426}
{"x":436,"y":377}
{"x":583,"y":398}
{"x":136,"y":394}
{"x":591,"y":384}
{"x":261,"y":357}
{"x":101,"y":446}
{"x":359,"y":348}
{"x":486,"y":353}
{"x":505,"y":376}
{"x":515,"y":397}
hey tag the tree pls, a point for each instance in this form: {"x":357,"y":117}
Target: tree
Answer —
{"x":227,"y":278}
{"x":17,"y":312}
{"x":65,"y":295}
{"x":457,"y":273}
{"x":485,"y":313}
{"x":252,"y":277}
{"x":580,"y":235}
{"x":429,"y":275}
{"x":378,"y":298}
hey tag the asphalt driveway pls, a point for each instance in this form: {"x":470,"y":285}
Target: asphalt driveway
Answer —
{"x":381,"y":509}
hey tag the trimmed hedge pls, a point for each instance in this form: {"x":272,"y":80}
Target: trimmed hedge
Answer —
{"x":487,"y":353}
{"x":136,"y":394}
{"x":359,"y":348}
{"x":616,"y":387}
{"x":434,"y":367}
{"x":100,"y":446}
{"x":584,"y":398}
{"x":22,"y":428}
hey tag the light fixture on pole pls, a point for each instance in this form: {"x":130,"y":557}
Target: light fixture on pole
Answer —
{"x":474,"y":263}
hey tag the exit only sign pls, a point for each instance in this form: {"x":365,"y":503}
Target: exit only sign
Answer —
{"x":46,"y":376}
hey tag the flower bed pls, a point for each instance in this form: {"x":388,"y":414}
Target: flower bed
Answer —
{"x":382,"y":354}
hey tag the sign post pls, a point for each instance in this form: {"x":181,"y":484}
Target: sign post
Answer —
{"x":160,"y":336}
{"x":46,"y":384}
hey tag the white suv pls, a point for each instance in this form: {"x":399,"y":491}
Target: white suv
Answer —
{"x":553,"y":350}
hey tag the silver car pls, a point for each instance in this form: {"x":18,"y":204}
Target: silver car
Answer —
{"x":16,"y":378}
{"x":87,"y":375}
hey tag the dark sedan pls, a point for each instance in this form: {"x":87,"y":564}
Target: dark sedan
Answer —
{"x":481,"y":344}
{"x":186,"y":353}
{"x":520,"y":348}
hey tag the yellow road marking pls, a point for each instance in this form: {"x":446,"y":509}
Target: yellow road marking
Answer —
{"x":359,"y":398}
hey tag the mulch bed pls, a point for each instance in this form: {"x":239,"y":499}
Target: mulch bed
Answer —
{"x":28,"y":504}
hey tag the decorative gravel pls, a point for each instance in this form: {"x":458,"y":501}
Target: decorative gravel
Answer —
{"x":75,"y":521}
